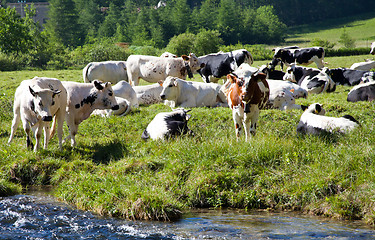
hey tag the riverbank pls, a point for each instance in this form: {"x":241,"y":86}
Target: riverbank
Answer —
{"x":113,"y":172}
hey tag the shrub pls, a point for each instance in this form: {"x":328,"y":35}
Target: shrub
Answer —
{"x":181,"y":44}
{"x":207,"y":41}
{"x":322,"y":43}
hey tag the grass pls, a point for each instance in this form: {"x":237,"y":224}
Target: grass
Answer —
{"x":113,"y":172}
{"x":358,"y":27}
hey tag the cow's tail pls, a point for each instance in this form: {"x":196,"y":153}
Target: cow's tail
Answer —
{"x":84,"y":72}
{"x":53,"y":128}
{"x":250,"y":57}
{"x":145,"y":135}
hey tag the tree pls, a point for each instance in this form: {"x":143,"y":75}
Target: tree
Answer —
{"x":346,"y":40}
{"x":228,"y":21}
{"x":63,"y":26}
{"x":207,"y":41}
{"x":109,"y":26}
{"x":181,"y":44}
{"x":19,"y":35}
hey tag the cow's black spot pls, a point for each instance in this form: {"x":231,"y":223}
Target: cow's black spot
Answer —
{"x":89,"y":99}
{"x":77,"y":106}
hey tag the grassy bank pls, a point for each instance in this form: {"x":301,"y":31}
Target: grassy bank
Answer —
{"x":113,"y":172}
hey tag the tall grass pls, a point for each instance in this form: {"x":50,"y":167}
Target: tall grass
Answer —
{"x":113,"y":172}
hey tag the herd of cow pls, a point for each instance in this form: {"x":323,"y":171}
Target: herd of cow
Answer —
{"x":246,"y":90}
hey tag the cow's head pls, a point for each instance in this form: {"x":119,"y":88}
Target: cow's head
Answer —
{"x":255,"y":88}
{"x":289,"y":75}
{"x":192,"y":63}
{"x":42,"y":102}
{"x":316,"y":108}
{"x":105,"y":95}
{"x":170,"y":89}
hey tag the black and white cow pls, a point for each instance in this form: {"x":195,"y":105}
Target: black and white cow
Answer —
{"x":314,"y":122}
{"x":362,"y":92}
{"x":218,"y":65}
{"x":168,"y":124}
{"x":300,"y":56}
{"x":346,"y":76}
{"x":311,"y":79}
{"x":272,"y":73}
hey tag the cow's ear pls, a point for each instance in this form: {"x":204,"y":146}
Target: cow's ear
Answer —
{"x":107,"y":84}
{"x":32,"y":92}
{"x":304,"y":107}
{"x":56,"y":92}
{"x":187,"y":117}
{"x":98,"y":85}
{"x":185,"y":58}
{"x":175,"y":83}
{"x":318,"y":108}
{"x":160,"y":82}
{"x":231,"y":78}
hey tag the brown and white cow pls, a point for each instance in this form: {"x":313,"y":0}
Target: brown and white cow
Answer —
{"x":82,"y":100}
{"x":36,"y":102}
{"x":152,"y":69}
{"x":246,"y":97}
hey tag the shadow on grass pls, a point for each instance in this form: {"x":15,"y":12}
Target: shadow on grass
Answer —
{"x":112,"y":151}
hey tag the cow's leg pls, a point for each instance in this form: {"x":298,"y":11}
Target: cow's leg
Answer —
{"x":46,"y":128}
{"x":15,"y":123}
{"x":73,"y":129}
{"x":246,"y":125}
{"x":254,"y":119}
{"x":37,"y":129}
{"x":237,"y":123}
{"x":27,"y":128}
{"x":59,"y":118}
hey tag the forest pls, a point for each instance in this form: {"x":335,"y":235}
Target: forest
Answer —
{"x":152,"y":26}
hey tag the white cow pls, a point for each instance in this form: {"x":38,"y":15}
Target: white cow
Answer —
{"x":313,"y":121}
{"x":189,"y":94}
{"x":152,"y":69}
{"x":283,"y":94}
{"x":364,"y":66}
{"x":168,"y":54}
{"x":124,"y":109}
{"x":149,"y":94}
{"x":83,"y":99}
{"x":36,"y":102}
{"x":108,"y":71}
{"x":124,"y":90}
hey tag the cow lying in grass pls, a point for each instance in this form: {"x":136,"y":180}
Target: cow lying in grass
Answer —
{"x":313,"y":121}
{"x":168,"y":124}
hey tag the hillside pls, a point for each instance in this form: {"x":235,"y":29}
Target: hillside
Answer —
{"x":359,"y":27}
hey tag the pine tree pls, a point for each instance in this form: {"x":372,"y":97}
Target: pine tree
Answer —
{"x":63,"y":26}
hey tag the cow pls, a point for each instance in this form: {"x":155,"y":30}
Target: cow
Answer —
{"x":124,"y":90}
{"x":283,"y":95}
{"x":168,"y":54}
{"x":124,"y":109}
{"x":364,"y":66}
{"x":168,"y":124}
{"x":271,"y":72}
{"x":82,"y":100}
{"x":313,"y":80}
{"x":246,"y":97}
{"x":108,"y":71}
{"x":149,"y":94}
{"x":362,"y":92}
{"x":187,"y":94}
{"x":346,"y":76}
{"x":153,"y":69}
{"x":372,"y":48}
{"x":314,"y":122}
{"x":36,"y":102}
{"x":300,"y":56}
{"x":218,"y":65}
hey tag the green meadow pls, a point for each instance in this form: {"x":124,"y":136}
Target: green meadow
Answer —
{"x":113,"y":172}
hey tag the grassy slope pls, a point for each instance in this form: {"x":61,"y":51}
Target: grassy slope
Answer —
{"x":113,"y":172}
{"x":358,"y":27}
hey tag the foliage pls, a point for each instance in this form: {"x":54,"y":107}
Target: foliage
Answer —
{"x":346,"y":40}
{"x":327,"y":45}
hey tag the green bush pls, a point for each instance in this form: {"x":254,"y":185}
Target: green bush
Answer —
{"x":11,"y":62}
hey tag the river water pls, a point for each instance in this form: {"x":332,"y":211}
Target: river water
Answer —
{"x":38,"y":216}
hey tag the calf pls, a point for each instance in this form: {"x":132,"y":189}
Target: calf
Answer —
{"x":188,"y":94}
{"x":125,"y":90}
{"x":149,"y":94}
{"x":312,"y":121}
{"x":83,"y":99}
{"x":168,"y":124}
{"x":362,"y":92}
{"x":364,"y":66}
{"x":153,"y":69}
{"x":36,"y":102}
{"x":218,"y":65}
{"x":108,"y":71}
{"x":246,"y":98}
{"x":300,"y":56}
{"x":314,"y":81}
{"x":283,"y":95}
{"x":346,"y":76}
